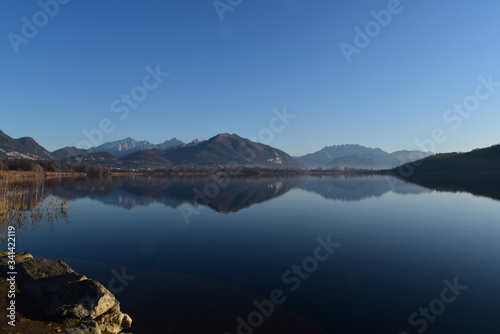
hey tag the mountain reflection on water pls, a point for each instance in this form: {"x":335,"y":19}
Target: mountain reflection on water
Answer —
{"x":232,"y":196}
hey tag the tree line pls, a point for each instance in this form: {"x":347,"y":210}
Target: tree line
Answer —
{"x":102,"y":170}
{"x":53,"y":166}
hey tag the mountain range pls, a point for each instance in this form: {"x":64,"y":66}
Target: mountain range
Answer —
{"x":129,"y":145}
{"x":220,"y":150}
{"x":357,"y":156}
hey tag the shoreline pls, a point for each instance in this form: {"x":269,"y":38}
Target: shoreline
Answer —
{"x":15,"y":176}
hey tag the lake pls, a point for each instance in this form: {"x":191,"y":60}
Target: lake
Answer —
{"x":368,"y":254}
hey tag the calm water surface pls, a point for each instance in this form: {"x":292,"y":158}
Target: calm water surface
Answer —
{"x":179,"y":268}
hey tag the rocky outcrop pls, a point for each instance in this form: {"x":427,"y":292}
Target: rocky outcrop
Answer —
{"x":58,"y":292}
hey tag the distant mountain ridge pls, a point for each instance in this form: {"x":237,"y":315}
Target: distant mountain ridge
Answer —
{"x":129,"y":145}
{"x":22,"y":148}
{"x":358,"y":156}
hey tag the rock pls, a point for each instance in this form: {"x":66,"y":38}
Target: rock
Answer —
{"x":86,"y":328}
{"x":57,"y":291}
{"x":62,"y":292}
{"x":79,"y":298}
{"x":114,"y":320}
{"x":18,"y":258}
{"x":39,"y":268}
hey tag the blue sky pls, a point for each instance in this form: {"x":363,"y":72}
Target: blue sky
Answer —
{"x":229,"y":76}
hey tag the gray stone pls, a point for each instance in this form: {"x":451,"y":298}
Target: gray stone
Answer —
{"x":39,"y":268}
{"x":78,"y":298}
{"x":57,"y":291}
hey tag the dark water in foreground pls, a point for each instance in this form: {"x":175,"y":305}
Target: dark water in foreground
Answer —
{"x":397,"y":251}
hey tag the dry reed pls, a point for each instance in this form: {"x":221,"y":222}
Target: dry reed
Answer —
{"x":23,"y":201}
